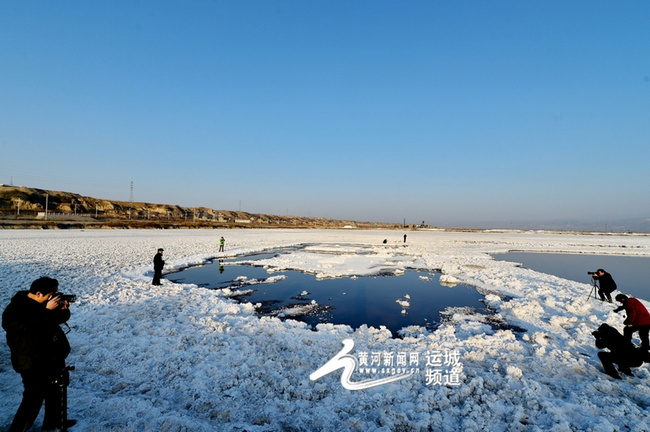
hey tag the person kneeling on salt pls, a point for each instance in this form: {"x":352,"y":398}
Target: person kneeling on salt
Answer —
{"x":621,"y":352}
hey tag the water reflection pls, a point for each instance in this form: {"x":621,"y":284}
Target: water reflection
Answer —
{"x":413,"y":298}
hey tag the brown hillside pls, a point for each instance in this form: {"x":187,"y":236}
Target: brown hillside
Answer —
{"x":26,"y":206}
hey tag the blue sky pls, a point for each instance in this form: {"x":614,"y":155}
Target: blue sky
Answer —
{"x":439,"y":111}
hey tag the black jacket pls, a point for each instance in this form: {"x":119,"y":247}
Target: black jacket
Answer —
{"x":34,"y":334}
{"x":606,"y":282}
{"x":158,"y":262}
{"x":623,"y":350}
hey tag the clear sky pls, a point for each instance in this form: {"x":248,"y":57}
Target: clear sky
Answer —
{"x":448,"y":112}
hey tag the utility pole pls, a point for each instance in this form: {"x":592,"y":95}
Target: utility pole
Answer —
{"x":131,"y":198}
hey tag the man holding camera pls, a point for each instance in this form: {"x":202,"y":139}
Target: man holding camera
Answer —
{"x":39,"y":348}
{"x":606,"y":284}
{"x":621,"y":352}
{"x":638,"y":319}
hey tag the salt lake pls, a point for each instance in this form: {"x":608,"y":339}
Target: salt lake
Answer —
{"x":394,"y":301}
{"x":631,"y":273}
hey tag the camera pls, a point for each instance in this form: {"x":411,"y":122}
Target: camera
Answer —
{"x":70,"y":298}
{"x":591,"y":273}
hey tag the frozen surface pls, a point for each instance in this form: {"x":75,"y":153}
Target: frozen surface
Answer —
{"x":182,"y":358}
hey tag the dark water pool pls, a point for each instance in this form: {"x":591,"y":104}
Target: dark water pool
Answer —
{"x":631,"y":274}
{"x":370,"y":300}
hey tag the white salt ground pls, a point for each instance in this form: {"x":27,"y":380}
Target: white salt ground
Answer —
{"x":183,"y":358}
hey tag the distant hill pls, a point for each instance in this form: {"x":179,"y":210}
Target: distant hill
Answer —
{"x":25,"y":207}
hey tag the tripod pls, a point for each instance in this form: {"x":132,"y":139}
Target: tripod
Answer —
{"x":62,"y":381}
{"x":594,"y":288}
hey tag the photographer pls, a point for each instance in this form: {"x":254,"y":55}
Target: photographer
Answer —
{"x":621,"y":351}
{"x":638,"y":319}
{"x":39,"y":348}
{"x":606,"y":284}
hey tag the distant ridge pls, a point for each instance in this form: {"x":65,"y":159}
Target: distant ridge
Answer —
{"x":25,"y":207}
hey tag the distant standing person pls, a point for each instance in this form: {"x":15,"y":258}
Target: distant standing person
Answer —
{"x":638,"y":319}
{"x":404,"y":238}
{"x":158,"y":264}
{"x":222,"y":243}
{"x":606,"y":284}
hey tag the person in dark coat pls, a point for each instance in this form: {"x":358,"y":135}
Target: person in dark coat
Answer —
{"x":622,"y":352}
{"x":606,"y":284}
{"x":158,"y":264}
{"x":39,"y":348}
{"x":638,"y":319}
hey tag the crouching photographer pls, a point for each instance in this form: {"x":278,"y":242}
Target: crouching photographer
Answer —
{"x":39,"y":348}
{"x":622,"y":352}
{"x":638,"y":319}
{"x":606,"y":284}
